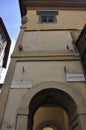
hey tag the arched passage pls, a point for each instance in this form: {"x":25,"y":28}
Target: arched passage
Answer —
{"x":51,"y":117}
{"x":53,"y":96}
{"x":57,"y":93}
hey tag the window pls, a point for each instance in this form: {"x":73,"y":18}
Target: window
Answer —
{"x":47,"y":16}
{"x":2,"y":39}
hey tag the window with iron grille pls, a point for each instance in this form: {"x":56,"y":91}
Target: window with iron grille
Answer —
{"x":47,"y":16}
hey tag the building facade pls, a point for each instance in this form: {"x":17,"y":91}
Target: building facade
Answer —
{"x":5,"y":43}
{"x":45,"y":87}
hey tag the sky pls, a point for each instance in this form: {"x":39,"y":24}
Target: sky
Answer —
{"x":10,"y":13}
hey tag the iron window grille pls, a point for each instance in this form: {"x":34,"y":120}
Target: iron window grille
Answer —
{"x":47,"y":16}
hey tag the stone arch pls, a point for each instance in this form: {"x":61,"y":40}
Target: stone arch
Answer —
{"x":51,"y":124}
{"x":63,"y":91}
{"x":53,"y":96}
{"x":23,"y":108}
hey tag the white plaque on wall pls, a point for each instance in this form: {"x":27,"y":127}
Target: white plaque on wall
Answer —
{"x":21,"y":84}
{"x":75,"y":77}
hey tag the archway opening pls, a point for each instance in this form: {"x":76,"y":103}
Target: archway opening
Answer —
{"x":51,"y":99}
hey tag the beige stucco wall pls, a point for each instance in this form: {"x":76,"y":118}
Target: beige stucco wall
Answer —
{"x":66,"y":19}
{"x":45,"y":71}
{"x":47,"y":40}
{"x":14,"y":101}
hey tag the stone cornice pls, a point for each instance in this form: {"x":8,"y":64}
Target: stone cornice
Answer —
{"x":44,"y":56}
{"x":48,"y":4}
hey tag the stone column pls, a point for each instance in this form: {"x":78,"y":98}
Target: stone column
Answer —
{"x":83,"y":121}
{"x":22,"y":121}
